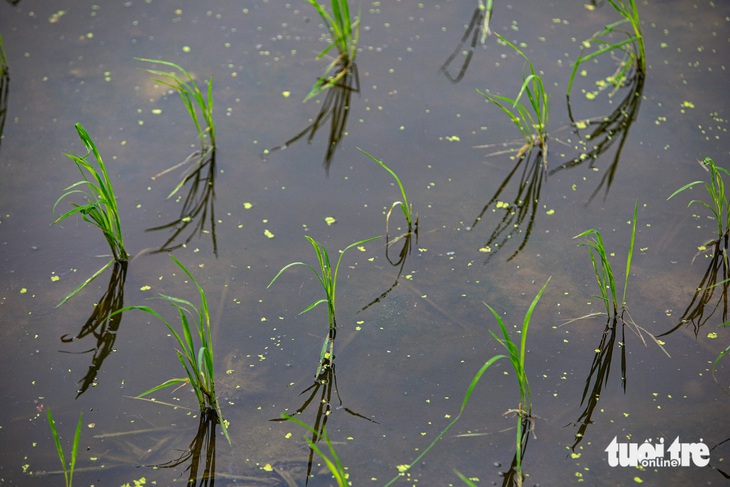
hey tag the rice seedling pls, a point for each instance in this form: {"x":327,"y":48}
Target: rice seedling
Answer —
{"x":100,"y":209}
{"x":405,"y":207}
{"x":606,"y":281}
{"x":478,"y":29}
{"x":345,"y":33}
{"x":198,"y":362}
{"x":327,"y":277}
{"x":719,"y":204}
{"x":199,"y":107}
{"x":516,"y":356}
{"x":632,"y":47}
{"x":68,"y":468}
{"x":531,"y":119}
{"x":334,"y":465}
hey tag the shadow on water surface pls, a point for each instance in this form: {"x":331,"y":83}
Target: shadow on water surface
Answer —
{"x":478,"y":27}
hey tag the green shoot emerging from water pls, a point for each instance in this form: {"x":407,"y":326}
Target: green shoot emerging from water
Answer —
{"x":719,"y":204}
{"x":184,"y":84}
{"x":531,"y":119}
{"x":632,"y":46}
{"x":68,"y":468}
{"x":345,"y":34}
{"x":334,"y":465}
{"x":198,"y":364}
{"x":517,"y":359}
{"x":404,"y":205}
{"x":100,"y":209}
{"x":327,"y":277}
{"x":602,"y":266}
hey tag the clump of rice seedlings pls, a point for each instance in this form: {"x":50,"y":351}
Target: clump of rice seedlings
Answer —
{"x":199,"y":107}
{"x":68,"y":468}
{"x":406,"y":208}
{"x":345,"y":33}
{"x":516,"y":356}
{"x":530,"y":118}
{"x":631,"y":47}
{"x":100,"y":209}
{"x":478,"y":29}
{"x":606,"y":281}
{"x":327,"y":277}
{"x":197,"y":360}
{"x":719,"y":205}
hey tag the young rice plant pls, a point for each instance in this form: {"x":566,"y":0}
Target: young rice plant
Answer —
{"x":406,"y":207}
{"x":327,"y":277}
{"x":345,"y":34}
{"x":531,"y":119}
{"x":68,"y":468}
{"x":100,"y":209}
{"x":197,"y":360}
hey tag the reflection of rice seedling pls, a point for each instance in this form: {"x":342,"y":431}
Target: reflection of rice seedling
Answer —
{"x":605,"y":132}
{"x":524,"y":411}
{"x":479,"y":24}
{"x":345,"y":34}
{"x":406,"y":207}
{"x":336,"y":108}
{"x":68,"y":469}
{"x":103,"y":324}
{"x":719,"y":204}
{"x":328,"y":279}
{"x":198,"y":365}
{"x":4,"y":87}
{"x":193,"y":99}
{"x":532,"y":119}
{"x":100,"y":209}
{"x":632,"y":47}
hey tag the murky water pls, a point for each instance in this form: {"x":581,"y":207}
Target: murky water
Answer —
{"x":405,"y":354}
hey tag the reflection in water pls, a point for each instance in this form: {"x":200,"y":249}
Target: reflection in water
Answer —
{"x":523,"y":206}
{"x":598,"y":376}
{"x":102,"y":325}
{"x":4,"y":87}
{"x":601,"y":365}
{"x":202,"y":448}
{"x":199,"y":202}
{"x":336,"y":106}
{"x":479,"y":25}
{"x":514,"y":476}
{"x":405,"y":251}
{"x":695,"y":312}
{"x":606,"y":131}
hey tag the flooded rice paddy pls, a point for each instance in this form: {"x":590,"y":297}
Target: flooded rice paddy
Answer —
{"x":412,"y":328}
